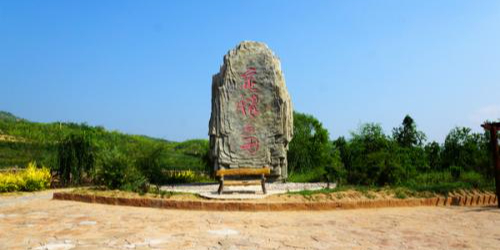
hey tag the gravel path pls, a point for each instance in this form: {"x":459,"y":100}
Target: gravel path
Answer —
{"x":40,"y":223}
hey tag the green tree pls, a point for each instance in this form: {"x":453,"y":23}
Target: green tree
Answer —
{"x":466,"y":151}
{"x":310,"y":149}
{"x":410,"y":151}
{"x":76,"y":158}
{"x":335,"y":171}
{"x":407,"y":134}
{"x":433,"y":155}
{"x":374,"y":158}
{"x":343,"y":146}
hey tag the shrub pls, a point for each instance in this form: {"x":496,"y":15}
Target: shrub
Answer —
{"x":75,"y":158}
{"x":116,"y":171}
{"x":314,"y":175}
{"x":444,"y":182}
{"x":29,"y":179}
{"x":455,"y":172}
{"x":150,"y":166}
{"x":434,"y":177}
{"x":176,"y":177}
{"x":36,"y":179}
{"x":10,"y":182}
{"x":335,"y":173}
{"x":134,"y":181}
{"x":400,"y":193}
{"x":476,"y":180}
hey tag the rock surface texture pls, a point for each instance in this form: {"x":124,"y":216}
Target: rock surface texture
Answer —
{"x":252,"y":117}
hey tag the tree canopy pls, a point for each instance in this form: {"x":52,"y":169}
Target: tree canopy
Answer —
{"x":407,"y":134}
{"x":310,"y":148}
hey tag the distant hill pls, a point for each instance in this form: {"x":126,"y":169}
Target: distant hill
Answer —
{"x":22,"y":141}
{"x":6,"y":116}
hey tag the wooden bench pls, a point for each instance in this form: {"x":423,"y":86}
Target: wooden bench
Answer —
{"x":243,"y":172}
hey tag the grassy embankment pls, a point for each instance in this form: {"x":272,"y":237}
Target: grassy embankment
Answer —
{"x":22,"y":141}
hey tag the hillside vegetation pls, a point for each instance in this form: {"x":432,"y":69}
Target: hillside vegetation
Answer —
{"x":22,"y":141}
{"x":79,"y":153}
{"x":405,"y":158}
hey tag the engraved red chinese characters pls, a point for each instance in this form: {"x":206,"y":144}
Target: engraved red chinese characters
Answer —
{"x":251,"y":144}
{"x":248,"y":106}
{"x":249,"y":77}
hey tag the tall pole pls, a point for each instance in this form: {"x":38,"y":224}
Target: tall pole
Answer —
{"x":496,"y":159}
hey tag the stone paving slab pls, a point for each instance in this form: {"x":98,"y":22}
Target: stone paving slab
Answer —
{"x":15,"y":199}
{"x":53,"y":224}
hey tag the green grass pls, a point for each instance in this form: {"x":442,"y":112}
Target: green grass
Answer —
{"x":422,"y":185}
{"x":400,"y":194}
{"x":152,"y":193}
{"x":404,"y":191}
{"x":443,"y":183}
{"x":308,"y":176}
{"x":368,"y":192}
{"x":362,"y":189}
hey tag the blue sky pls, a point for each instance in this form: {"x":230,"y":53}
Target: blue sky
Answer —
{"x":145,"y":67}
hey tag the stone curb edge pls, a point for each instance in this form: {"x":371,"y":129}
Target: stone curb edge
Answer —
{"x":478,"y":200}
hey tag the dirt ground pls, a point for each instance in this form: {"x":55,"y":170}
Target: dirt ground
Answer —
{"x":34,"y":221}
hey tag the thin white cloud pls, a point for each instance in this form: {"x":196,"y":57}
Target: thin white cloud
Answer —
{"x":490,"y":113}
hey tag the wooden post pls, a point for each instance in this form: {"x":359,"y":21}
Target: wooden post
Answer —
{"x":496,"y":160}
{"x":493,"y":128}
{"x":263,"y":184}
{"x":221,"y":184}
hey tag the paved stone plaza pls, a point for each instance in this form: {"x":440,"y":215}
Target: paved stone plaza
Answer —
{"x":37,"y":222}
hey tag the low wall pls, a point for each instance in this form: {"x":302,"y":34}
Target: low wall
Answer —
{"x":478,"y":200}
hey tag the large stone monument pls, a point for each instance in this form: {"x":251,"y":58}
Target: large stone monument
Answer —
{"x":252,"y":117}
